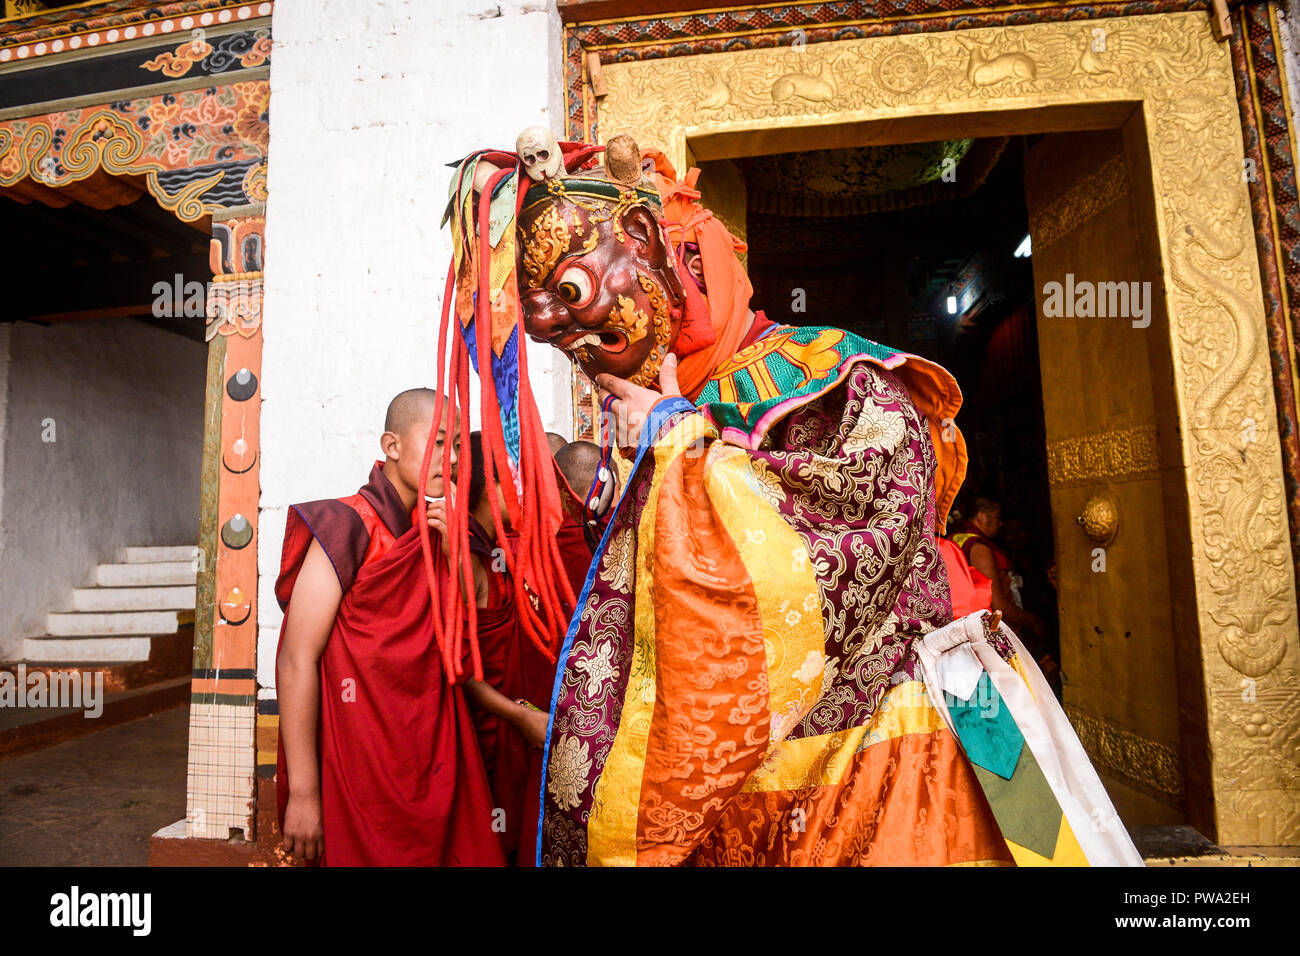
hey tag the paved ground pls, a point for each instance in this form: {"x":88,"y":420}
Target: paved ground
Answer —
{"x":95,"y":800}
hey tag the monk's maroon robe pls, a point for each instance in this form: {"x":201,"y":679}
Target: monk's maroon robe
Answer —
{"x":574,"y":552}
{"x":402,"y":782}
{"x":516,"y":668}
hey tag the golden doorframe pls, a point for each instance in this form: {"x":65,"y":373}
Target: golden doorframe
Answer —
{"x":1168,"y":83}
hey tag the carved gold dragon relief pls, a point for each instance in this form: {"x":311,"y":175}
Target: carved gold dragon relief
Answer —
{"x":1240,"y":506}
{"x":909,"y":70}
{"x":1257,"y":746}
{"x":1213,"y":284}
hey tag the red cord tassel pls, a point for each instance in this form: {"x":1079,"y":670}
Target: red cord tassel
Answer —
{"x":535,"y":564}
{"x":432,"y":564}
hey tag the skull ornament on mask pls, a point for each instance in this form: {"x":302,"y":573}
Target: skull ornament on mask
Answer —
{"x":540,"y":152}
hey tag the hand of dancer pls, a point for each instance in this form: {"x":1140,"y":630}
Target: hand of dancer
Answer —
{"x":610,"y":485}
{"x":632,"y":403}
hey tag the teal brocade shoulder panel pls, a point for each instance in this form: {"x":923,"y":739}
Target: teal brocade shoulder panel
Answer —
{"x":809,"y":361}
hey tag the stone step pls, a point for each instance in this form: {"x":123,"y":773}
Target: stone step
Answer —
{"x":154,"y":574}
{"x":155,"y":555}
{"x":179,"y":598}
{"x":111,"y":623}
{"x":168,"y":656}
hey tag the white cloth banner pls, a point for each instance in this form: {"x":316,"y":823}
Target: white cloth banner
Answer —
{"x":952,"y":660}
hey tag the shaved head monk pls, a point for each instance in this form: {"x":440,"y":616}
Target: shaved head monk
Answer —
{"x":579,"y":464}
{"x":579,"y":461}
{"x":378,"y":761}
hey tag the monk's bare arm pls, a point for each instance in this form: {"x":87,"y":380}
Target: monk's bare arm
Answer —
{"x":311,"y":612}
{"x":981,"y":558}
{"x":487,"y":698}
{"x":532,"y":723}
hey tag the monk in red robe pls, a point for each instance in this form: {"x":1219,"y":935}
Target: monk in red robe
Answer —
{"x":378,"y":761}
{"x":969,"y":589}
{"x":975,"y":539}
{"x":510,"y":704}
{"x":512,"y":701}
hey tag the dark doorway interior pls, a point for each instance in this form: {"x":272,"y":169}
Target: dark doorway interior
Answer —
{"x":102,"y":392}
{"x":97,"y":249}
{"x":878,"y":241}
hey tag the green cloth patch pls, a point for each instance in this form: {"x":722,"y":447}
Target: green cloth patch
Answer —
{"x":1024,"y":806}
{"x":987,"y":731}
{"x":792,"y":379}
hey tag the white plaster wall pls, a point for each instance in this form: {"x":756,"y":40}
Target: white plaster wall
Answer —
{"x":126,"y":401}
{"x":370,"y":100}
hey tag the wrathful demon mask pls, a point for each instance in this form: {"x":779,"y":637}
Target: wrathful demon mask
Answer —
{"x":597,"y":277}
{"x":575,"y":254}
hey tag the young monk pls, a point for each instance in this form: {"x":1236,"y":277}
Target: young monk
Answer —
{"x":511,"y":702}
{"x":378,"y":762}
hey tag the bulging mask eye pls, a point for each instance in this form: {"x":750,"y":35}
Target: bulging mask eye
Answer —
{"x":575,"y":285}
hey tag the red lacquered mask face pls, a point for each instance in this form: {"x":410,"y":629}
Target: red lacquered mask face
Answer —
{"x":598,"y":282}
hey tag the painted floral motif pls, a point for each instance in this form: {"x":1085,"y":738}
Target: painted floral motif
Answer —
{"x":253,"y":124}
{"x":177,"y":123}
{"x":199,"y":135}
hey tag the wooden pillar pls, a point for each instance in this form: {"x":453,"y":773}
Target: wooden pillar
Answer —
{"x":220,"y":787}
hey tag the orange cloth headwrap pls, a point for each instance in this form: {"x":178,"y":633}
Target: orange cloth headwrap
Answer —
{"x":728,"y":290}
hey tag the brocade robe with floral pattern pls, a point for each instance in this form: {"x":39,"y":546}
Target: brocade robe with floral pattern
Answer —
{"x":739,"y":686}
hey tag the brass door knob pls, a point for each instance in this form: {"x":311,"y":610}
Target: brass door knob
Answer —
{"x":1099,"y":518}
